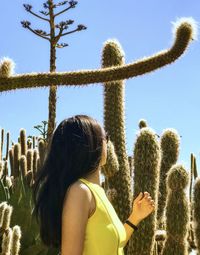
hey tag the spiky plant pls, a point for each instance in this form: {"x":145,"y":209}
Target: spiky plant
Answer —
{"x":177,"y":212}
{"x":114,"y":124}
{"x":170,"y":143}
{"x":147,"y":156}
{"x":196,"y":205}
{"x":185,"y":32}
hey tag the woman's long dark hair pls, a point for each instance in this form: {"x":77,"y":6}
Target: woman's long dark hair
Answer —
{"x":74,"y":151}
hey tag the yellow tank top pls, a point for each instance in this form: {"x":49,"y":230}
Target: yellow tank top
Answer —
{"x":105,"y":233}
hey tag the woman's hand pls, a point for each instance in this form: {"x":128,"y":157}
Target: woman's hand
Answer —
{"x":143,"y":205}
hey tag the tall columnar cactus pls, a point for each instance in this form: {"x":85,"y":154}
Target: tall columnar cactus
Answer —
{"x":29,"y":159}
{"x":23,"y":165}
{"x":35,"y":161}
{"x":17,"y":155}
{"x":15,"y":241}
{"x":11,"y":160}
{"x":10,"y":237}
{"x":185,"y":32}
{"x":147,"y":158}
{"x":112,"y":164}
{"x":6,"y":242}
{"x":169,"y":143}
{"x":115,"y":126}
{"x":196,"y":216}
{"x":193,"y":175}
{"x":42,"y":148}
{"x":177,"y":212}
{"x":2,"y":144}
{"x":23,"y":142}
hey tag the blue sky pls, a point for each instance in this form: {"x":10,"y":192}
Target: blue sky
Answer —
{"x":166,"y":98}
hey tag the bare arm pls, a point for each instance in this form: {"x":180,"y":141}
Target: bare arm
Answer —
{"x":143,"y":205}
{"x":74,"y":220}
{"x":129,"y":229}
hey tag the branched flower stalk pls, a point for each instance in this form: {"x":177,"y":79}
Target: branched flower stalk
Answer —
{"x":49,"y":15}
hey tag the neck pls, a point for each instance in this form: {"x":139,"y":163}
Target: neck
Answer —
{"x":94,"y":177}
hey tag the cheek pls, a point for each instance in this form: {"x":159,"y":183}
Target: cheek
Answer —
{"x":104,"y":150}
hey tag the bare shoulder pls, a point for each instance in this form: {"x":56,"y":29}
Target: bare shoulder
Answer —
{"x":81,"y":188}
{"x":78,"y":191}
{"x":75,"y":213}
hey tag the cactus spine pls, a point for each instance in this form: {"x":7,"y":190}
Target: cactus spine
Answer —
{"x":170,"y":142}
{"x":177,"y":212}
{"x":114,"y":124}
{"x":184,"y":34}
{"x":147,"y":158}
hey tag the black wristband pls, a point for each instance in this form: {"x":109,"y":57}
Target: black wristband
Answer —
{"x":131,"y":225}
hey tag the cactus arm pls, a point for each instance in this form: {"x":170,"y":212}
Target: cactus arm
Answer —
{"x":184,"y":34}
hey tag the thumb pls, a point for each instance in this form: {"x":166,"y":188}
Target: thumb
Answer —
{"x":139,"y":197}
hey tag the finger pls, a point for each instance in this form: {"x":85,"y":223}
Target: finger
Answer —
{"x":151,"y":205}
{"x":139,"y":196}
{"x":148,"y":198}
{"x":150,"y":201}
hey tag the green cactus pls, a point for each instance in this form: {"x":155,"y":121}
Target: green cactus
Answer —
{"x":196,"y":205}
{"x":2,"y":145}
{"x":1,"y":168}
{"x":29,"y":160}
{"x":169,"y":143}
{"x":3,"y":192}
{"x":6,"y":67}
{"x":10,"y":237}
{"x":42,"y":148}
{"x":15,"y":241}
{"x":17,"y":155}
{"x":18,"y":192}
{"x":130,"y":160}
{"x":5,"y":169}
{"x":2,"y":142}
{"x":35,"y":162}
{"x":184,"y":34}
{"x":177,"y":212}
{"x":11,"y":160}
{"x":147,"y":158}
{"x":7,"y":144}
{"x":23,"y":142}
{"x":114,"y":124}
{"x":142,"y":123}
{"x":112,"y":164}
{"x":195,"y":169}
{"x":5,"y":222}
{"x":6,"y":242}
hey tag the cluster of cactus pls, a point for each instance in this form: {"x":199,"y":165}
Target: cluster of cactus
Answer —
{"x":174,"y":227}
{"x":152,"y":166}
{"x":9,"y":236}
{"x":24,"y":159}
{"x":147,"y":170}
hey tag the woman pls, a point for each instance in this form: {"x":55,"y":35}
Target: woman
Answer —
{"x":70,"y":205}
